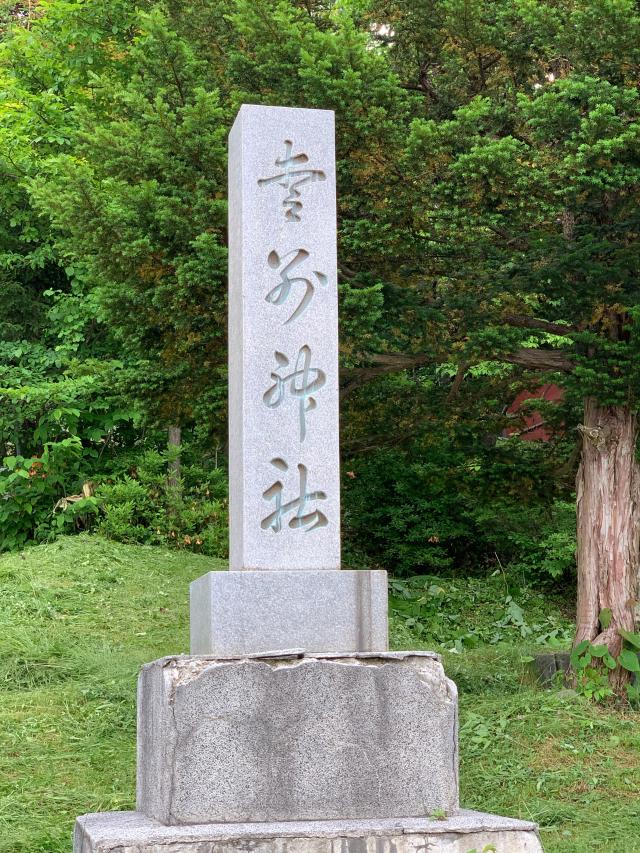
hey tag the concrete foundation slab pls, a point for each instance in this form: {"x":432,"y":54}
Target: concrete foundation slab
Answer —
{"x":321,"y":737}
{"x":467,"y":831}
{"x":240,"y":613}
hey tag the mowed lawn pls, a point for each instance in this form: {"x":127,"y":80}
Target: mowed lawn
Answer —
{"x":79,"y":617}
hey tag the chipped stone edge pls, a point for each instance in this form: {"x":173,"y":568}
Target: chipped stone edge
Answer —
{"x":181,"y":669}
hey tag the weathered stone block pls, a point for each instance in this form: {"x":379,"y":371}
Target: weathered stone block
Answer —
{"x":241,"y":613}
{"x":131,"y":832}
{"x":322,"y":737}
{"x":544,"y":668}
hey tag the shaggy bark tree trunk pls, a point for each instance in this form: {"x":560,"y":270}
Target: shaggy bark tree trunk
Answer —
{"x":608,"y":526}
{"x":173,"y":478}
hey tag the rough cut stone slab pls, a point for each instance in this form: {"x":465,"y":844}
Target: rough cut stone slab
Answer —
{"x":283,"y":341}
{"x":240,"y":613}
{"x":131,"y":832}
{"x":311,"y":739}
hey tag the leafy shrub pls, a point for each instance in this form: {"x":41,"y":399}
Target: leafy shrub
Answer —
{"x":593,"y":665}
{"x":30,"y":489}
{"x":126,"y":509}
{"x":53,"y":432}
{"x":539,"y":541}
{"x":444,"y":508}
{"x":140,"y":506}
{"x":405,"y":515}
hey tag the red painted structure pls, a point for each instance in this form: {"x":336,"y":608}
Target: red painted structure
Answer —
{"x":534,"y":425}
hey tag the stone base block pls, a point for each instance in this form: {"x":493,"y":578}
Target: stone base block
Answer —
{"x":243,"y":612}
{"x":310,"y":738}
{"x":131,"y":832}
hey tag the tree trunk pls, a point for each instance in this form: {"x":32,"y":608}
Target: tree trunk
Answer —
{"x":174,"y":440}
{"x":608,"y":527}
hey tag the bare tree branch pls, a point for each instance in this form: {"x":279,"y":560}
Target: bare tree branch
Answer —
{"x":346,"y":272}
{"x":389,"y":362}
{"x":510,"y":239}
{"x":539,"y":360}
{"x":381,"y":364}
{"x":521,"y":321}
{"x":457,"y":382}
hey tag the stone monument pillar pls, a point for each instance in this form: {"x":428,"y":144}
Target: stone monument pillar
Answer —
{"x":285,"y":589}
{"x":291,"y":728}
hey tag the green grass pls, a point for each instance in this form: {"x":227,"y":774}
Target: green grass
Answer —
{"x":547,"y":755}
{"x":77,"y":620}
{"x":79,"y":617}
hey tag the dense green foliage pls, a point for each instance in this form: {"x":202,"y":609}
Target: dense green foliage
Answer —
{"x":139,"y":505}
{"x":80,"y":616}
{"x":488,"y":171}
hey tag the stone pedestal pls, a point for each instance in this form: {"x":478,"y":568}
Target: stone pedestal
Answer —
{"x":315,"y":738}
{"x":466,"y":832}
{"x":326,"y":753}
{"x":240,"y":613}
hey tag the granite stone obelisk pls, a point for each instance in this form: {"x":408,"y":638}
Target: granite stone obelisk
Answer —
{"x":285,"y":588}
{"x":284,"y":461}
{"x":291,"y":728}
